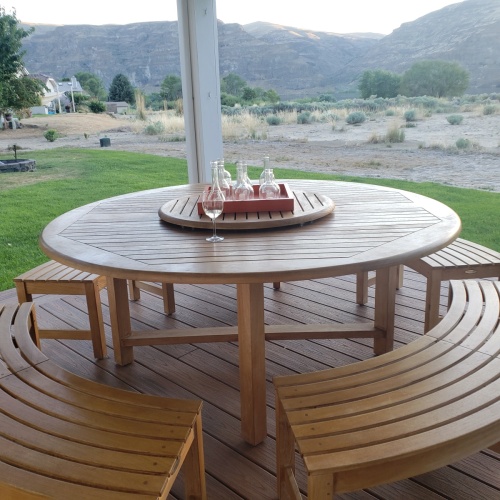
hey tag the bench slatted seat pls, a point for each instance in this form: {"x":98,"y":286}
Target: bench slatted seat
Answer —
{"x":67,"y":437}
{"x":57,"y":279}
{"x":401,"y":414}
{"x":462,"y":259}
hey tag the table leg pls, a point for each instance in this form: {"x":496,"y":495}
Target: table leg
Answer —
{"x":385,"y":307}
{"x":252,"y":362}
{"x":119,"y":312}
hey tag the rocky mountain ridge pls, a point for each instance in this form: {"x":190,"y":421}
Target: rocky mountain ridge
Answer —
{"x":294,"y":62}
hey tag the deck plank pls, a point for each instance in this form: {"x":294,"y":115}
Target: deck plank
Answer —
{"x":210,"y":371}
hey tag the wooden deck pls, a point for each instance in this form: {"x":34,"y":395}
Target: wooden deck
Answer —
{"x":210,"y":372}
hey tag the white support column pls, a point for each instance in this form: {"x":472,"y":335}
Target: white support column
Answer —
{"x":199,"y":51}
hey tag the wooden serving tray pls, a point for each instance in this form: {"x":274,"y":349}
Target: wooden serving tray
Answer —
{"x":307,"y":207}
{"x":284,"y":203}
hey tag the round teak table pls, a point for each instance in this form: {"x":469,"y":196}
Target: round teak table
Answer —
{"x":371,"y":228}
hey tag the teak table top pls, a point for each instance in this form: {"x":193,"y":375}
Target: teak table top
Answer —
{"x":371,"y":227}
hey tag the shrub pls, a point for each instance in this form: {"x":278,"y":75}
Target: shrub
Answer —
{"x":463,"y":143}
{"x":97,"y":106}
{"x":395,"y":134}
{"x":490,"y":109}
{"x":410,"y":115}
{"x":455,"y":119}
{"x":390,"y":112}
{"x":273,"y":120}
{"x":51,"y":135}
{"x":155,"y":128}
{"x":355,"y":117}
{"x":304,"y":118}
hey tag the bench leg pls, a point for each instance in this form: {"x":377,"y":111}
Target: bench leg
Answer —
{"x":385,"y":308}
{"x":320,"y":486}
{"x":134,"y":291}
{"x":285,"y":453}
{"x":95,"y":319}
{"x":432,"y":299}
{"x":194,"y":466}
{"x":167,"y":290}
{"x":362,"y":288}
{"x":22,"y":294}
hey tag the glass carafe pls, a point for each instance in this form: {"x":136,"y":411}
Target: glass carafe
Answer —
{"x":269,"y":189}
{"x":224,"y":184}
{"x":267,"y":165}
{"x":242,"y":189}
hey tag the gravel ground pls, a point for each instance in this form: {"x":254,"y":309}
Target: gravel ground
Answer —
{"x":427,"y":154}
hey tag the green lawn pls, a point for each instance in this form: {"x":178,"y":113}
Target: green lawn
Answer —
{"x":68,"y":178}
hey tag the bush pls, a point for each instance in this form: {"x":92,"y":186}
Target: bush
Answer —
{"x":51,"y":135}
{"x":410,"y":115}
{"x":490,"y":109}
{"x":97,"y":106}
{"x":455,"y":119}
{"x":395,"y":134}
{"x":273,"y":120}
{"x":463,"y":143}
{"x":356,"y":117}
{"x":304,"y":118}
{"x":155,"y":128}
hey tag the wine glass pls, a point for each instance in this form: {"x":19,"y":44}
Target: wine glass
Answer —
{"x":213,"y":203}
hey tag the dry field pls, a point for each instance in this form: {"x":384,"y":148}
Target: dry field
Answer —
{"x":428,"y":152}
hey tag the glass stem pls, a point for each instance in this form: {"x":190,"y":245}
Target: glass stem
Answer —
{"x":213,"y":221}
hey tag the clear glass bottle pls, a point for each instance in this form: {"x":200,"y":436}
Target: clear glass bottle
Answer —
{"x":269,"y":189}
{"x":224,"y":185}
{"x":267,"y":165}
{"x":227,"y":175}
{"x":242,"y":189}
{"x":215,"y":187}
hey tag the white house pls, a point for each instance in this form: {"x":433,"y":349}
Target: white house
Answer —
{"x":55,"y":94}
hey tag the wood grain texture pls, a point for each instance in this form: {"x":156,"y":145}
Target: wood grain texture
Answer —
{"x":371,"y":227}
{"x":210,"y":372}
{"x":409,"y":412}
{"x":68,"y":437}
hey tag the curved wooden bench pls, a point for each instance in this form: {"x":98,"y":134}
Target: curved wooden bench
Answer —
{"x":461,"y":260}
{"x":404,"y":413}
{"x":67,"y":437}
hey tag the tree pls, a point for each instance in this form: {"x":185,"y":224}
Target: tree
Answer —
{"x":121,"y":90}
{"x":435,"y":78}
{"x":249,"y":94}
{"x":92,"y":84}
{"x":17,"y":90}
{"x":171,"y":88}
{"x":379,"y":83}
{"x":233,"y":84}
{"x":271,"y":96}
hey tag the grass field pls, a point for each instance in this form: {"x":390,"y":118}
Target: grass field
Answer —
{"x":68,"y":178}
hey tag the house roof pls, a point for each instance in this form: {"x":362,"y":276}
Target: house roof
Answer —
{"x":66,"y":86}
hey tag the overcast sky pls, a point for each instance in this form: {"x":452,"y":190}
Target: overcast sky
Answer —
{"x":346,"y":16}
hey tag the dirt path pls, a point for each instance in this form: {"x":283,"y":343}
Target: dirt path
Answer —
{"x":426,"y":155}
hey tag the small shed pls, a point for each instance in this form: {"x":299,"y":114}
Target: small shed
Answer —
{"x":117,"y":107}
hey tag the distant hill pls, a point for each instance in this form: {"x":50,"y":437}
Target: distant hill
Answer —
{"x":466,"y":32}
{"x":293,"y":61}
